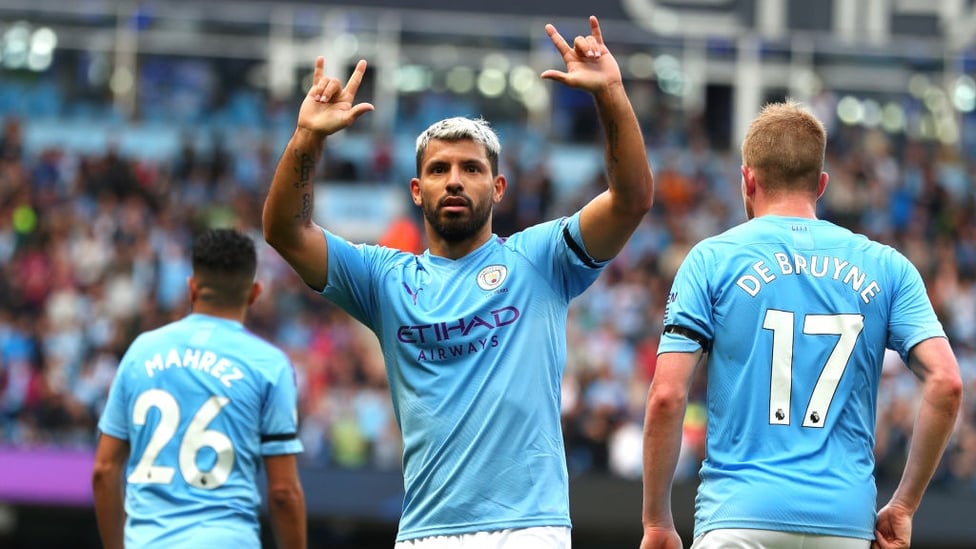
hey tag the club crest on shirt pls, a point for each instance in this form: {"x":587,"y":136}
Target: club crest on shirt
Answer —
{"x":492,"y":277}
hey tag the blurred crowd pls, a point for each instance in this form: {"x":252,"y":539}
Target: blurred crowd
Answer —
{"x":94,"y":249}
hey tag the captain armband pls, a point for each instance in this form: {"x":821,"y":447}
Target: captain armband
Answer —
{"x":705,"y":343}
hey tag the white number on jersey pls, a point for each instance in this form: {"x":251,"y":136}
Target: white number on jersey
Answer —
{"x":847,"y":326}
{"x":196,"y":437}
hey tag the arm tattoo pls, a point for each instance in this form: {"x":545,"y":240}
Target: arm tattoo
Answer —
{"x":613,"y":140}
{"x":305,"y":167}
{"x":305,"y":213}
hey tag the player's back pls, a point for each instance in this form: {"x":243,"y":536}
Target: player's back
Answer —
{"x":194,"y":393}
{"x":802,"y":311}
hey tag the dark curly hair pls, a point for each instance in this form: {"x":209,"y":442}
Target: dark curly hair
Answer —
{"x":224,"y":264}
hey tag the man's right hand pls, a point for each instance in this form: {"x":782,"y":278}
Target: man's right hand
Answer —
{"x":660,"y":538}
{"x":329,"y":106}
{"x":893,"y":529}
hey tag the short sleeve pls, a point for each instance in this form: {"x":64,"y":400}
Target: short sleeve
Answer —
{"x":688,"y":320}
{"x":556,"y":248}
{"x":115,"y":417}
{"x":353,"y":272}
{"x":912,"y":318}
{"x":279,"y":416}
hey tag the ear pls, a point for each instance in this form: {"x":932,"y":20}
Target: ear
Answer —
{"x":748,"y":181}
{"x":415,"y":191}
{"x":822,"y":184}
{"x":500,"y":185}
{"x":194,"y":290}
{"x":255,"y":292}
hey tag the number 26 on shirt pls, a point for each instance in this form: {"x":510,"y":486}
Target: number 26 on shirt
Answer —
{"x":196,"y":438}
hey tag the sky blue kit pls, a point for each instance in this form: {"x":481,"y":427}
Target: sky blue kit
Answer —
{"x":201,"y":401}
{"x":475,"y":350}
{"x":795,"y":315}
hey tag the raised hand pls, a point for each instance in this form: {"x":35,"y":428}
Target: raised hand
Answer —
{"x":589,"y":64}
{"x":329,"y":106}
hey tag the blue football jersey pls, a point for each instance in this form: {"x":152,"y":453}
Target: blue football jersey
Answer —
{"x":200,"y":401}
{"x":474,"y":351}
{"x":797,"y":314}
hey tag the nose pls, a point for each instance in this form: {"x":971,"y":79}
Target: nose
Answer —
{"x":454,"y":184}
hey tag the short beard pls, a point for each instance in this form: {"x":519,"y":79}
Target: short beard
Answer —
{"x":455,"y":229}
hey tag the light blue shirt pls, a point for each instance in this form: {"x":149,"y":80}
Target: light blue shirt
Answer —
{"x":475,"y":350}
{"x":798,"y":314}
{"x":201,"y":401}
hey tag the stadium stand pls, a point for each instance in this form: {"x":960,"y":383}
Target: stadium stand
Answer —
{"x":102,"y":186}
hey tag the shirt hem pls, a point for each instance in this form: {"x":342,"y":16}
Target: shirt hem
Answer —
{"x":419,"y":533}
{"x":781,"y":527}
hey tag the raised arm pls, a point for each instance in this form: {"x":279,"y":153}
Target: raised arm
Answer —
{"x":609,"y":219}
{"x":935,"y":365}
{"x":328,"y":107}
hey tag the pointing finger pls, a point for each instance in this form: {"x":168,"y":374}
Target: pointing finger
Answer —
{"x":356,"y":78}
{"x":319,"y":68}
{"x":557,"y":40}
{"x":595,"y":29}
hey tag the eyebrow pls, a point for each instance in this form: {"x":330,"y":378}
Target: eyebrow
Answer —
{"x":473,"y":161}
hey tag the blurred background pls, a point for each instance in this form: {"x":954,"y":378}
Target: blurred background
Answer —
{"x":126,"y":127}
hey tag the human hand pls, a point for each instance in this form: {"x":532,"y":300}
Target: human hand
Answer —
{"x":589,"y":64}
{"x":660,"y":538}
{"x":328,"y":106}
{"x":893,"y":529}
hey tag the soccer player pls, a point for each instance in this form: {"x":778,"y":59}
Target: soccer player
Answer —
{"x":196,"y":409}
{"x":791,"y":316}
{"x":473,"y":330}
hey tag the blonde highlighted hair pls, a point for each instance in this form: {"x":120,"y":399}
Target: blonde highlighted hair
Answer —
{"x":459,"y":128}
